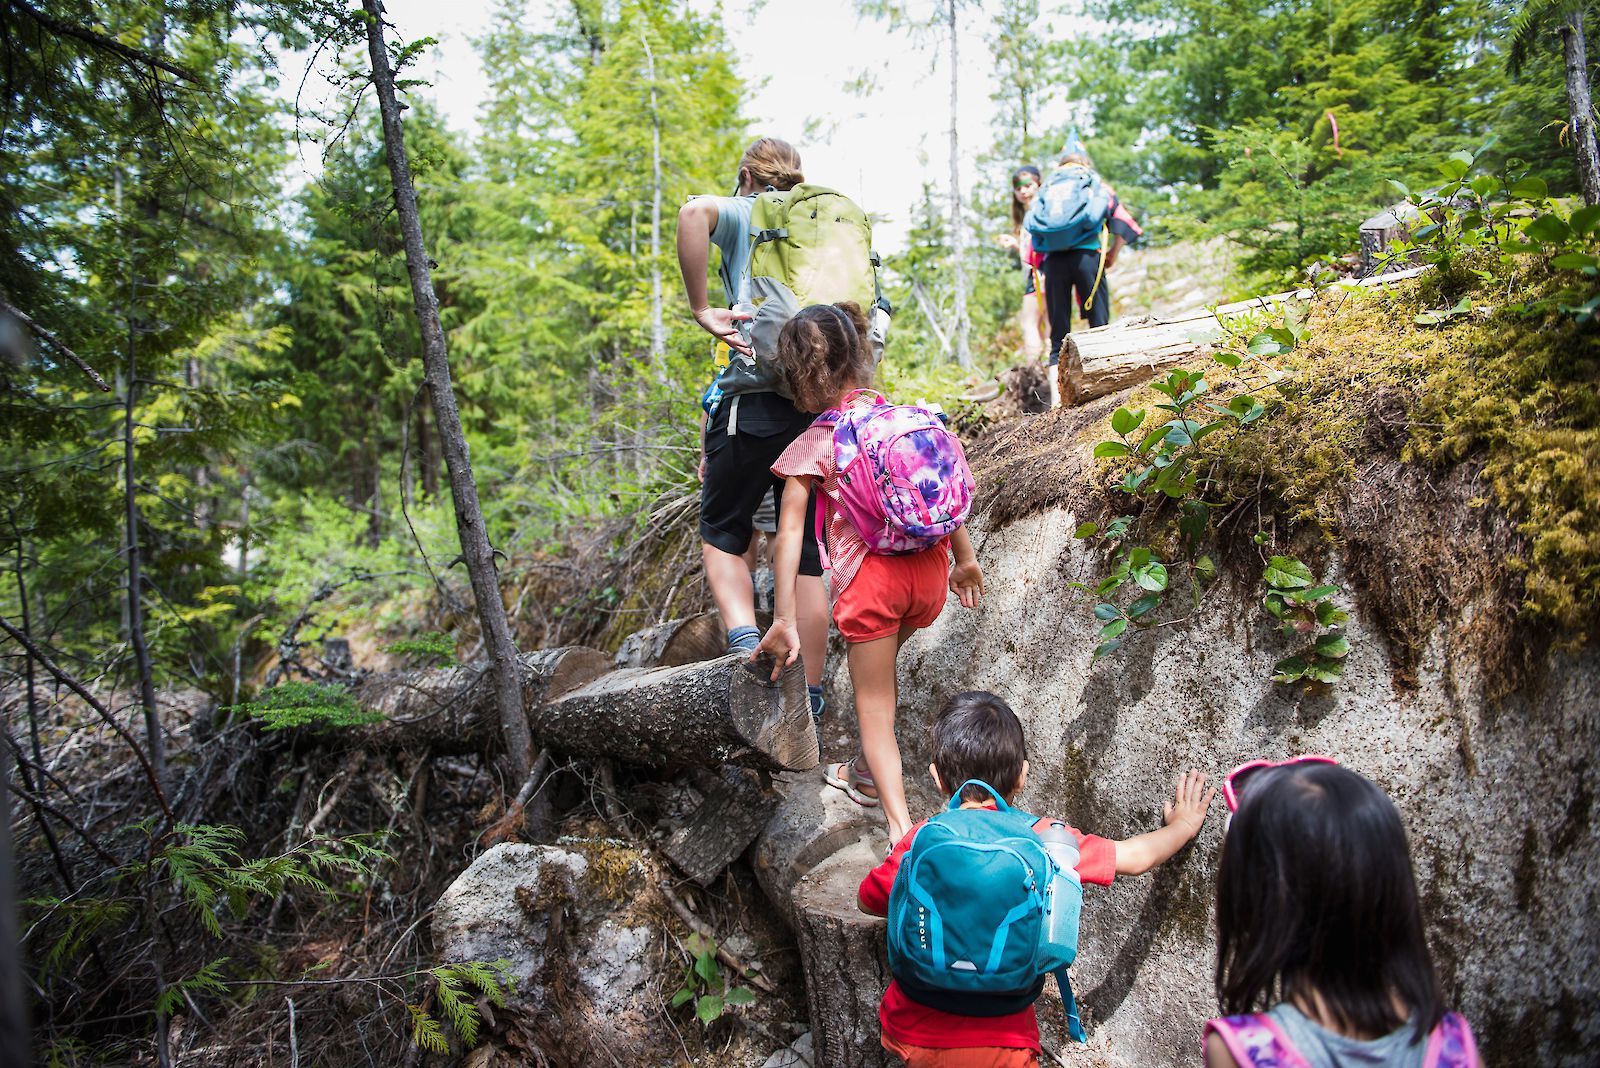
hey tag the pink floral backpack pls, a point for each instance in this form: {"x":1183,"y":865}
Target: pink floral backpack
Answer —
{"x":1255,"y":1041}
{"x":903,"y":480}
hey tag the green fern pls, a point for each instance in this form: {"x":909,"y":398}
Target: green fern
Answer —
{"x":1526,"y":25}
{"x":306,"y":704}
{"x":426,"y":1032}
{"x":436,"y":645}
{"x":208,"y":980}
{"x":455,"y":985}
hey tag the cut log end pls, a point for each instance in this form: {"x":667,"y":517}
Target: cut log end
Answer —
{"x":774,"y":717}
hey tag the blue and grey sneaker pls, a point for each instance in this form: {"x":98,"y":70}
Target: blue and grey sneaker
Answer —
{"x":818,"y":706}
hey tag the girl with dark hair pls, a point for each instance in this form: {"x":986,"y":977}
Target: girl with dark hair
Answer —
{"x":1032,"y":319}
{"x":878,"y":600}
{"x":1322,"y":961}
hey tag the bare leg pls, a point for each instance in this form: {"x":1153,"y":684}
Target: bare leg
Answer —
{"x":811,"y":617}
{"x":729,"y":579}
{"x":872,"y":671}
{"x":1028,"y":325}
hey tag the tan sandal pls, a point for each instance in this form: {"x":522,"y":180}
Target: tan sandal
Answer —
{"x":844,"y":776}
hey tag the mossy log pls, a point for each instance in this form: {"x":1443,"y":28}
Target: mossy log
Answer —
{"x":1107,"y":359}
{"x":846,"y":960}
{"x":722,"y":711}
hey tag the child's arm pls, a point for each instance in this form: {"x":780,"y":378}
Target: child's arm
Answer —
{"x":1182,"y":817}
{"x":1217,"y":1055}
{"x":783,"y":639}
{"x":966,"y":577}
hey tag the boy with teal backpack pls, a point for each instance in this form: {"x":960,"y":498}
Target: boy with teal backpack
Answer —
{"x":980,"y":909}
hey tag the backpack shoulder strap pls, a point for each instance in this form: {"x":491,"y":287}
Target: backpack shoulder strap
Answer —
{"x":1451,"y":1045}
{"x":1070,"y":1005}
{"x":1255,"y":1041}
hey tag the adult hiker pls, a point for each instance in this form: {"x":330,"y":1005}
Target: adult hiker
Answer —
{"x":1031,"y":317}
{"x":752,"y":422}
{"x":1079,"y":224}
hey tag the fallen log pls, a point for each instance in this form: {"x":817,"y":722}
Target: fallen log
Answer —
{"x":452,"y":710}
{"x":733,"y":813}
{"x":1107,"y":359}
{"x":722,"y":711}
{"x":675,"y":643}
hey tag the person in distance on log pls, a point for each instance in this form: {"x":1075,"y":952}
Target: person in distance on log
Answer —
{"x":735,"y":474}
{"x":890,"y":549}
{"x":1319,"y":924}
{"x":1031,"y":317}
{"x":980,"y":758}
{"x":1080,"y":225}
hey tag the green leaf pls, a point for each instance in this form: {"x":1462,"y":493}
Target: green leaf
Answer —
{"x":1400,"y":187}
{"x":1195,"y":519}
{"x":681,"y":997}
{"x":1264,"y":344}
{"x":1086,"y":530}
{"x":1209,"y":428}
{"x":1227,"y":359}
{"x":741,"y":995}
{"x":1454,"y":169}
{"x":1105,"y":649}
{"x":705,"y":966}
{"x":1107,"y":611}
{"x":1289,"y":669}
{"x":1332,"y":645}
{"x":1143,"y":605}
{"x":1325,"y":670}
{"x":1126,"y":422}
{"x":1571,"y":261}
{"x":1108,"y":584}
{"x":1150,"y":439}
{"x":1530,"y":188}
{"x":1286,"y":573}
{"x":1138,"y":556}
{"x":1315,"y":593}
{"x":1108,"y":449}
{"x":1547,"y":229}
{"x":1114,"y":628}
{"x":1485,"y":185}
{"x":708,"y":1008}
{"x":1119,"y":526}
{"x":1205,"y":569}
{"x":1275,"y":604}
{"x":1153,"y":577}
{"x":1585,"y":220}
{"x":1329,"y":613}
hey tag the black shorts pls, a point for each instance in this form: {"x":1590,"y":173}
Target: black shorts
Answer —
{"x":739,"y":473}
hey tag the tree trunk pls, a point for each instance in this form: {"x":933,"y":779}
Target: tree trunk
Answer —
{"x":475,"y":548}
{"x":721,"y":711}
{"x":15,"y":1044}
{"x":958,"y":233}
{"x":846,"y":961}
{"x":1574,"y":51}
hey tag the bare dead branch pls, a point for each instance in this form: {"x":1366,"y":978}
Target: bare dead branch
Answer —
{"x":56,"y":343}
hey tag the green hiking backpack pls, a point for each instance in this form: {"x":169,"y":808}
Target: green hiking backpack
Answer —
{"x":810,"y":245}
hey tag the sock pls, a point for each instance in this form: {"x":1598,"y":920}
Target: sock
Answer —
{"x":744,"y":639}
{"x":817,"y":703}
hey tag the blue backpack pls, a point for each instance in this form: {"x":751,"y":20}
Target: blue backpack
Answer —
{"x":1070,"y":210}
{"x":968,"y":914}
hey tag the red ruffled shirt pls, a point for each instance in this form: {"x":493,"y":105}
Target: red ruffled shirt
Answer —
{"x":918,"y":1025}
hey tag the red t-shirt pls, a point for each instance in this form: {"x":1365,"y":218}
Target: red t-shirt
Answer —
{"x":918,"y":1025}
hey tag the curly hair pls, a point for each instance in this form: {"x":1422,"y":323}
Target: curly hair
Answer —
{"x":823,"y":353}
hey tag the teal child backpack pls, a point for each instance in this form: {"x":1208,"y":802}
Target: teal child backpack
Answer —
{"x":970,"y":929}
{"x":1070,"y":211}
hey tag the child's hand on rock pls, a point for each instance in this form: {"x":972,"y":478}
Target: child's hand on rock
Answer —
{"x":1188,"y":808}
{"x":782,"y":642}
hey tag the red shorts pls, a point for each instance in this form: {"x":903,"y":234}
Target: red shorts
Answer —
{"x":968,"y":1057}
{"x":890,"y":592}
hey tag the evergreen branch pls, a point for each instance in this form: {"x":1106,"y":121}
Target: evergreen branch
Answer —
{"x":104,"y":43}
{"x":56,"y":343}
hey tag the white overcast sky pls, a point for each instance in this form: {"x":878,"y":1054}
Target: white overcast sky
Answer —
{"x":877,"y":149}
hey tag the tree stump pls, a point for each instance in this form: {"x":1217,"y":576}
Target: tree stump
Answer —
{"x":846,"y":960}
{"x":812,"y":822}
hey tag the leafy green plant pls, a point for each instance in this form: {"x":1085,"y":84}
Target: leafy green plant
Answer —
{"x":1164,"y":470}
{"x":705,"y":984}
{"x":306,"y":704}
{"x":1305,"y":610}
{"x":453,"y":986}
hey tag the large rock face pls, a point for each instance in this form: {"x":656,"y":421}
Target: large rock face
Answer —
{"x":1498,"y":796}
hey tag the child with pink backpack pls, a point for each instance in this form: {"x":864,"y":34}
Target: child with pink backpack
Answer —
{"x":1319,"y":925}
{"x":895,"y":491}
